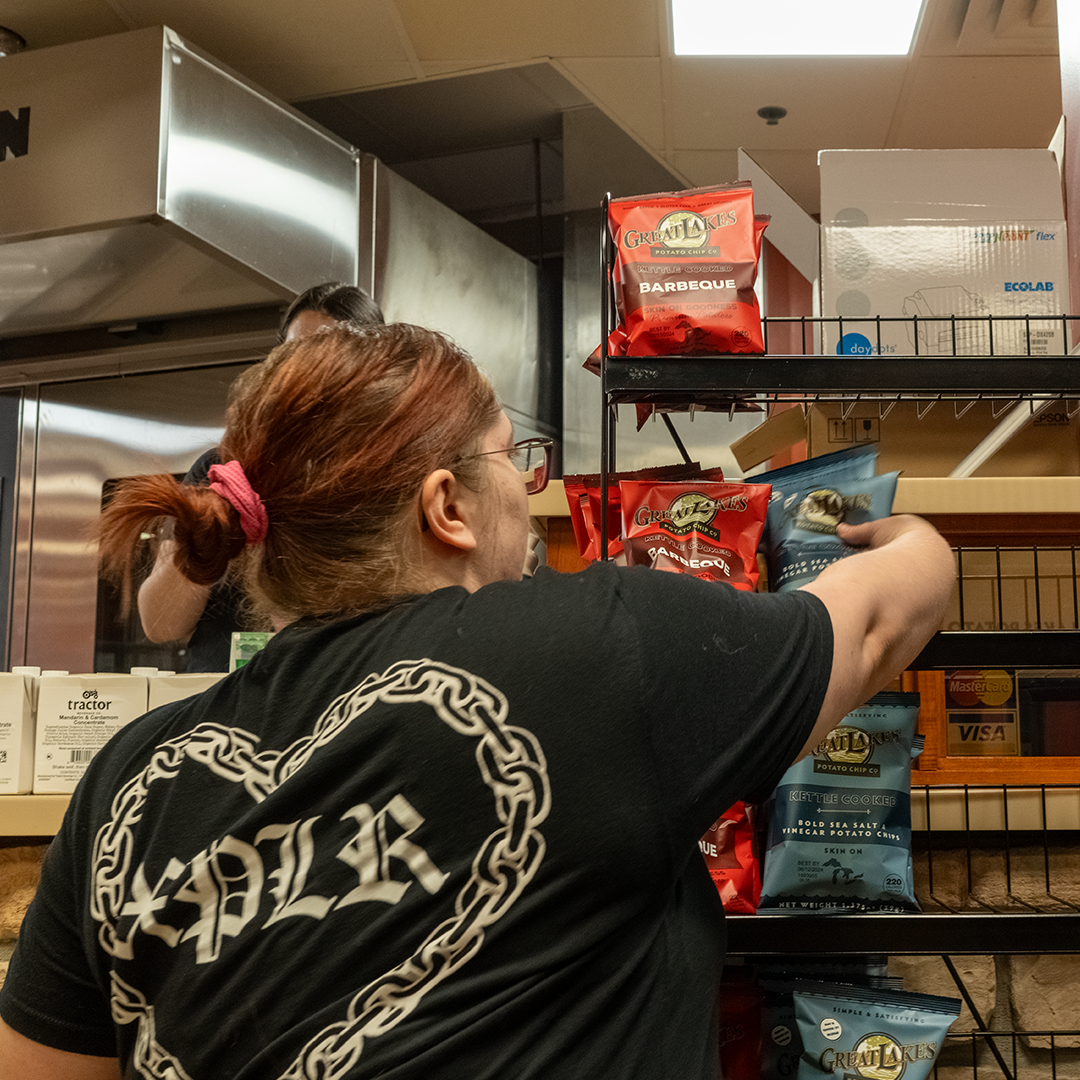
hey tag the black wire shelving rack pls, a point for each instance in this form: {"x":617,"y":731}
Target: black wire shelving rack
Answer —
{"x":954,"y":363}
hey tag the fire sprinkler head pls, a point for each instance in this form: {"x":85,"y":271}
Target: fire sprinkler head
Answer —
{"x":772,"y":114}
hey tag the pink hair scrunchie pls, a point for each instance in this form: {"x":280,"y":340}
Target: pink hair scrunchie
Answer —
{"x":231,"y":484}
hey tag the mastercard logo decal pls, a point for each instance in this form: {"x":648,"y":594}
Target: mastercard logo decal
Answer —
{"x":976,"y":688}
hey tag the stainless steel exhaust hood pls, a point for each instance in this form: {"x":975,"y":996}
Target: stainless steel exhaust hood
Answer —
{"x":139,"y":178}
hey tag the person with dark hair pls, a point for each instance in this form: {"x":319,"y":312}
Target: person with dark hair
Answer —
{"x":445,"y":825}
{"x":328,"y":304}
{"x":205,"y":615}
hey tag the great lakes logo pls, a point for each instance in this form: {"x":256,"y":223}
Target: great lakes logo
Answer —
{"x":690,"y":510}
{"x":877,"y":1056}
{"x":823,"y":509}
{"x":847,"y":750}
{"x":680,"y":232}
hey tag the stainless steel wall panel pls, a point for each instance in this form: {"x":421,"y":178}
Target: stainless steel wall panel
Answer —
{"x":19,"y":609}
{"x":87,"y":434}
{"x":369,"y":166}
{"x":438,"y":270}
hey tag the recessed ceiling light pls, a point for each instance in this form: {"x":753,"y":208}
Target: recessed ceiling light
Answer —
{"x":794,"y":27}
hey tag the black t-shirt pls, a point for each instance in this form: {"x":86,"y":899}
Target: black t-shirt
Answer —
{"x":454,"y":839}
{"x":208,"y":647}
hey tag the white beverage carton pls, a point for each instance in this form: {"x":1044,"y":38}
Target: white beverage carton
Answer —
{"x":16,"y":732}
{"x":76,"y":716}
{"x":34,"y":674}
{"x":172,"y":687}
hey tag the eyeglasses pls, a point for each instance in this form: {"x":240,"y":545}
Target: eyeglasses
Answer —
{"x":532,"y":458}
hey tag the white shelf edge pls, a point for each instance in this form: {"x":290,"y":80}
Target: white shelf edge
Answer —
{"x":40,"y":815}
{"x":926,"y":495}
{"x":31,"y":815}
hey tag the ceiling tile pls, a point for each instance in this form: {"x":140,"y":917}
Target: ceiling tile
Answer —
{"x":298,"y":82}
{"x":715,"y":102}
{"x":44,"y":23}
{"x":980,"y":101}
{"x":702,"y":168}
{"x":499,"y":31}
{"x":293,"y":50}
{"x":630,"y":91}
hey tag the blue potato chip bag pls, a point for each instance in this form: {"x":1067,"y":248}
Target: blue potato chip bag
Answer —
{"x":871,"y":1033}
{"x":781,"y":1046}
{"x":839,"y":833}
{"x":809,"y":499}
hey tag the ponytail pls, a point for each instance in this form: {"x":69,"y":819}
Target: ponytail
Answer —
{"x":206,"y":528}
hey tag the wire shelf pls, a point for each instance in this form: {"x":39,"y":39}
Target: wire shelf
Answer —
{"x":1011,"y":1054}
{"x":949,"y":335}
{"x":984,"y":857}
{"x":754,"y":381}
{"x":1017,"y":588}
{"x":1014,"y":606}
{"x":996,"y":849}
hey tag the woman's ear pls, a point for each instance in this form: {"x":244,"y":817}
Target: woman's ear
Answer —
{"x":448,"y":509}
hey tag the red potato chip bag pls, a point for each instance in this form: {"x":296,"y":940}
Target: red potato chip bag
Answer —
{"x":615,"y":518}
{"x":584,"y":497}
{"x":578,"y":502}
{"x":740,"y":1002}
{"x":685,"y":267}
{"x":728,"y":849}
{"x":709,"y":530}
{"x":616,"y":346}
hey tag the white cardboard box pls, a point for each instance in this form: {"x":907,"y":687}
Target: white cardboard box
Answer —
{"x":76,"y":716}
{"x":168,"y":688}
{"x":16,"y":733}
{"x":937,"y":234}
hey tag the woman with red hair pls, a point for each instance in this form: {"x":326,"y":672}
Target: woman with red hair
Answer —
{"x":446,"y":823}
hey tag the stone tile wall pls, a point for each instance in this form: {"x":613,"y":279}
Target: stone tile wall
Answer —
{"x":1011,"y":993}
{"x":20,"y":871}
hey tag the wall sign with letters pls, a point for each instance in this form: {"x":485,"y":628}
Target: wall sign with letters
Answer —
{"x":14,"y":133}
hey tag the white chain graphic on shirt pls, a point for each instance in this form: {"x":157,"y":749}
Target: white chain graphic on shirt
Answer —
{"x":511,"y":764}
{"x":129,"y":1006}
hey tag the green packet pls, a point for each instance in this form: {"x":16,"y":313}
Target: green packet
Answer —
{"x":876,"y":1034}
{"x":244,"y":645}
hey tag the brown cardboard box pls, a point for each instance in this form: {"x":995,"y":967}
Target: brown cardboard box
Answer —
{"x":934,"y":443}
